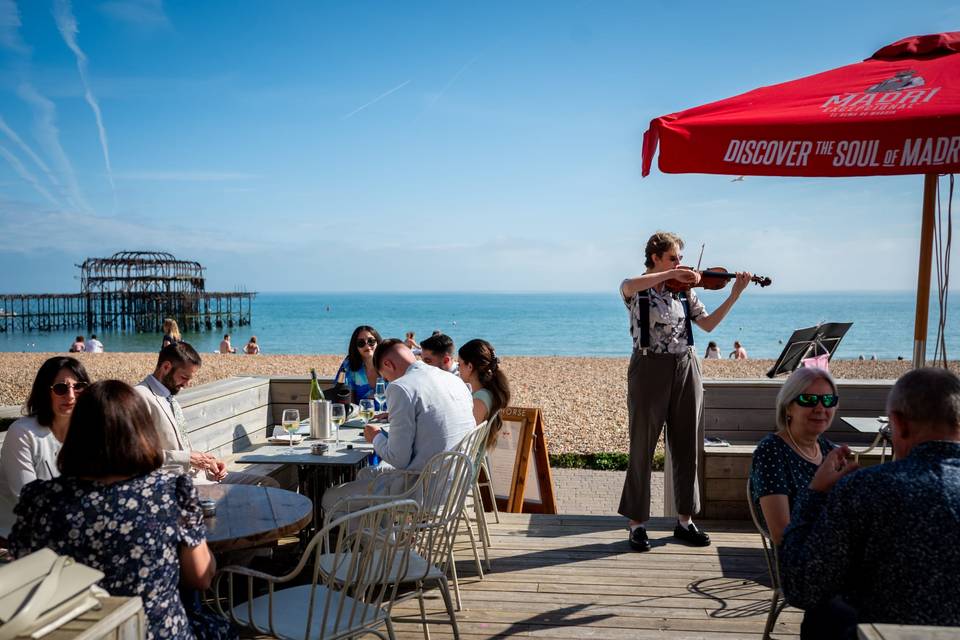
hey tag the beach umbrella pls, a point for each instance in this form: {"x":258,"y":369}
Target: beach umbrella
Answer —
{"x":897,"y":112}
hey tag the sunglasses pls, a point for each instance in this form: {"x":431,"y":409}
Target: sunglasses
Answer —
{"x":62,"y":388}
{"x":811,"y":399}
{"x":370,"y":342}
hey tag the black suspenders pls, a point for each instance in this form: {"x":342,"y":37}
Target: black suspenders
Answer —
{"x":643,"y":302}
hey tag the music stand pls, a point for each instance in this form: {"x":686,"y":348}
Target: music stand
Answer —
{"x":810,"y":342}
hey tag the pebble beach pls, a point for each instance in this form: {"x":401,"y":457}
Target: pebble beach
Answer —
{"x":583,"y":399}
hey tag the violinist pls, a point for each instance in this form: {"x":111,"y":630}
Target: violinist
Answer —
{"x":663,"y":386}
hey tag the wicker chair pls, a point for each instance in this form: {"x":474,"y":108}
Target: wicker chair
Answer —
{"x":370,"y":547}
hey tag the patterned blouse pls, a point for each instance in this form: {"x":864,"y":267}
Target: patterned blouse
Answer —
{"x":779,"y":470}
{"x":668,"y":324}
{"x":357,"y":381}
{"x":885,"y":538}
{"x":131,"y":531}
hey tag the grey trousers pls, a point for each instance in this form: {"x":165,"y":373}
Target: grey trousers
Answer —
{"x":663,"y":389}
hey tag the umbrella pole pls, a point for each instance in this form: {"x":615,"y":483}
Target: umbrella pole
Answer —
{"x":923,"y":273}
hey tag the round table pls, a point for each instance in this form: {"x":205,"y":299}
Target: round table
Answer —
{"x":250,"y":516}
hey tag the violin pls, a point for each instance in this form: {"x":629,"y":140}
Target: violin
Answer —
{"x":712,"y":278}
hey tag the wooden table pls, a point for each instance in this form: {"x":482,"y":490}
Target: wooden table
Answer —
{"x":906,"y":632}
{"x":249,"y":516}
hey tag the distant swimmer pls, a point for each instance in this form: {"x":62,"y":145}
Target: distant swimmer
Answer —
{"x":738,"y":353}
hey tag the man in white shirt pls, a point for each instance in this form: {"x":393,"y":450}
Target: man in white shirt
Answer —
{"x":430,"y":412}
{"x":93,"y":345}
{"x":177,"y":364}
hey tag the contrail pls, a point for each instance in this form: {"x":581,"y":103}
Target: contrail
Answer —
{"x":17,"y":140}
{"x":375,"y":100}
{"x":454,"y":79}
{"x":67,"y":25}
{"x":26,"y":175}
{"x":45,"y":128}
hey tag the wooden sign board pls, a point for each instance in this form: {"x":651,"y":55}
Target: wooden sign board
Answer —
{"x":520,"y":465}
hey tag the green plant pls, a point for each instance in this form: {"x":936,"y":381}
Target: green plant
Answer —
{"x":599,"y":461}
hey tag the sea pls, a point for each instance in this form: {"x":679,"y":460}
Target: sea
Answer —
{"x":541,"y":324}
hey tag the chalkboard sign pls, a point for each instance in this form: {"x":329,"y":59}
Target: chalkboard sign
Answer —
{"x":520,"y":465}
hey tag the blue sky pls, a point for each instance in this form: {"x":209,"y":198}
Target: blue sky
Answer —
{"x":421,"y":146}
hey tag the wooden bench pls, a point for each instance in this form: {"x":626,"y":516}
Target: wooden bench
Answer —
{"x":743,"y":412}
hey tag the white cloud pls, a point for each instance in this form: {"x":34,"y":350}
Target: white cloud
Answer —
{"x":25,"y":173}
{"x":48,"y":134}
{"x":141,"y":13}
{"x":25,"y":148}
{"x":185,"y":176}
{"x":10,"y":28}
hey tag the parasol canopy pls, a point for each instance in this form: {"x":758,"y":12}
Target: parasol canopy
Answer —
{"x":897,"y":112}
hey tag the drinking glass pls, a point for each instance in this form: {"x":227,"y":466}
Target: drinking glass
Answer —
{"x":381,"y":395}
{"x":338,"y":416}
{"x":366,"y":409}
{"x":291,"y":422}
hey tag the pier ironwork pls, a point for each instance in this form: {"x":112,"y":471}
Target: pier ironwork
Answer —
{"x":129,"y":291}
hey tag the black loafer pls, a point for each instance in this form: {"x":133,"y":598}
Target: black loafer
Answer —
{"x":639,"y":540}
{"x":691,"y":535}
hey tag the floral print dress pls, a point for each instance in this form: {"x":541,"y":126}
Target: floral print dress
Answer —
{"x":131,"y":531}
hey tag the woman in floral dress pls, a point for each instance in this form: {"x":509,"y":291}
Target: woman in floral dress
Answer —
{"x":112,"y":508}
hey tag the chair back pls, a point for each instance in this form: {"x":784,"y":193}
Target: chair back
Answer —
{"x":474,"y":445}
{"x":442,"y":489}
{"x":769,"y":548}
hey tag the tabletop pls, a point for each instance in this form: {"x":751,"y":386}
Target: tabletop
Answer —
{"x":866,"y":425}
{"x":249,"y":516}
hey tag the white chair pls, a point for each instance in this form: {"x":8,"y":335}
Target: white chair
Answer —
{"x":354,"y":602}
{"x":441,"y":491}
{"x":777,"y":601}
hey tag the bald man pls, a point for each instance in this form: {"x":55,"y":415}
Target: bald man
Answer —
{"x":430,"y":412}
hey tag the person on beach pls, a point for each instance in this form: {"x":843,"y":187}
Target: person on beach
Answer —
{"x":480,"y":369}
{"x":78,"y":346}
{"x":32,"y":443}
{"x":225,"y":346}
{"x":113,"y":509}
{"x":430,"y":412}
{"x":358,"y":369}
{"x":738,"y":353}
{"x":664,"y":386}
{"x":171,"y":333}
{"x":784,"y":462}
{"x":882,"y":544}
{"x":713,"y":351}
{"x":176,"y":366}
{"x":411,"y":342}
{"x":437,"y":351}
{"x":252,"y":347}
{"x":93,"y":345}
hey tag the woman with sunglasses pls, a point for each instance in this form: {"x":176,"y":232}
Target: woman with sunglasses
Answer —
{"x":359,"y":373}
{"x":30,"y":448}
{"x":663,"y":384}
{"x":784,"y":462}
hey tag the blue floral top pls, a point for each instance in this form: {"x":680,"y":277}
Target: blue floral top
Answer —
{"x":131,"y":531}
{"x":357,"y":381}
{"x":779,"y":470}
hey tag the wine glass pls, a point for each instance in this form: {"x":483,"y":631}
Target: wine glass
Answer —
{"x":338,"y":416}
{"x":381,"y":395}
{"x":291,"y":422}
{"x":366,"y":409}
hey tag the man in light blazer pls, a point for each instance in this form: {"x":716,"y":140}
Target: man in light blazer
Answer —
{"x":177,"y":364}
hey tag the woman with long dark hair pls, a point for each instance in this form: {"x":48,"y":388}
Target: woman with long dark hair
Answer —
{"x":358,"y":368}
{"x":32,"y":443}
{"x":480,"y":368}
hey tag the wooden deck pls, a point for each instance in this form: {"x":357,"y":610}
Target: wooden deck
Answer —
{"x":568,"y":576}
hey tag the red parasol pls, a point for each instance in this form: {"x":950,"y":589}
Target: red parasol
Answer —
{"x":897,"y":112}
